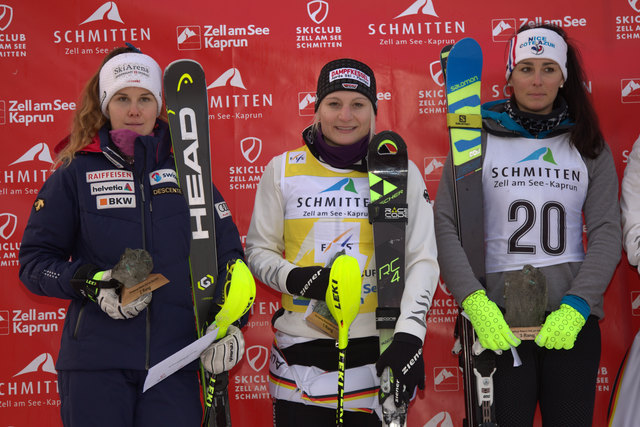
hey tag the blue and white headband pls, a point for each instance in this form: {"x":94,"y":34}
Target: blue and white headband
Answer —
{"x":537,"y":43}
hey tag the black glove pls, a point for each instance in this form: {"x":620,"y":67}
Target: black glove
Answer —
{"x":87,"y":286}
{"x":404,"y":357}
{"x":309,"y":282}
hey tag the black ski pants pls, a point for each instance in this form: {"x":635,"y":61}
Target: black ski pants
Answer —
{"x":562,"y":381}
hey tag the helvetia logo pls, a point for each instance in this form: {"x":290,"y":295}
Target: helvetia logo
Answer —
{"x":543,"y":153}
{"x":39,"y":151}
{"x":257,"y":357}
{"x":502,"y":30}
{"x":630,"y":91}
{"x":231,"y":77}
{"x":6,"y":16}
{"x":345,"y":184}
{"x":318,"y":10}
{"x":8,"y":225}
{"x":251,"y":147}
{"x":42,"y":363}
{"x":425,"y":7}
{"x":108,"y":11}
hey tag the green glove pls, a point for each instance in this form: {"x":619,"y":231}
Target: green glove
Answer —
{"x":561,"y":328}
{"x":488,"y":322}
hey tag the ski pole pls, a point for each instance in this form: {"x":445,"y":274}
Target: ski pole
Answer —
{"x":343,"y":301}
{"x":239,"y":294}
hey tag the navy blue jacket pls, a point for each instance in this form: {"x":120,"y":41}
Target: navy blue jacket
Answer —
{"x":88,"y":213}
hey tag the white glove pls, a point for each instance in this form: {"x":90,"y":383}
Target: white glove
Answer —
{"x":109,"y":302}
{"x":225,"y":353}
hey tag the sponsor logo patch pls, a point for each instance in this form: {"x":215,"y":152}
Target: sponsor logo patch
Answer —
{"x":116,"y":201}
{"x":223,"y":210}
{"x":349,"y":73}
{"x":297,"y":158}
{"x":163,"y":176}
{"x":166,"y":190}
{"x":111,"y":187}
{"x":109,"y":175}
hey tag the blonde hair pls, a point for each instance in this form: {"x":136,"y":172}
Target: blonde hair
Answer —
{"x":88,"y":118}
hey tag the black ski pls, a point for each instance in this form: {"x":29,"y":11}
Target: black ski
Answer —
{"x":388,"y":165}
{"x":187,"y":109}
{"x":462,"y":65}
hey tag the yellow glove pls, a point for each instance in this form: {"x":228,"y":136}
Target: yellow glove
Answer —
{"x":561,"y":328}
{"x":488,"y":322}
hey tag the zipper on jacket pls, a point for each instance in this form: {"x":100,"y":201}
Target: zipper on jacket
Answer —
{"x":144,"y":234}
{"x":147,"y":356}
{"x":77,"y":328}
{"x":148,"y":339}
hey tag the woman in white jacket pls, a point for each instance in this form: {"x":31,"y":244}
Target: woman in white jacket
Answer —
{"x":311,"y":203}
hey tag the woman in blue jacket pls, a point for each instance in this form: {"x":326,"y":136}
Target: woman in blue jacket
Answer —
{"x":115,"y":188}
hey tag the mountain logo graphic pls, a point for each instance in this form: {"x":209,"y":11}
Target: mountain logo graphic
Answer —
{"x":630,"y":90}
{"x":42,"y":363}
{"x":420,"y":6}
{"x":6,"y":15}
{"x":189,"y":37}
{"x":345,"y":184}
{"x":231,"y":77}
{"x":543,"y":153}
{"x":318,"y":10}
{"x":109,"y":9}
{"x":503,"y":29}
{"x":635,"y":5}
{"x":39,"y":151}
{"x":433,"y":168}
{"x":257,"y":357}
{"x":635,"y":302}
{"x":306,"y":103}
{"x":8,"y":225}
{"x":185,"y":34}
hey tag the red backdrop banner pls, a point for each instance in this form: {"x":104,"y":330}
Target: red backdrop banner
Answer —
{"x":261,"y":60}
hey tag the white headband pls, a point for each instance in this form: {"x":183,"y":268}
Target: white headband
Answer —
{"x":537,"y":43}
{"x":130,"y":70}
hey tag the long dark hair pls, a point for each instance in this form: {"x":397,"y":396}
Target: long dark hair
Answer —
{"x":585,"y":135}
